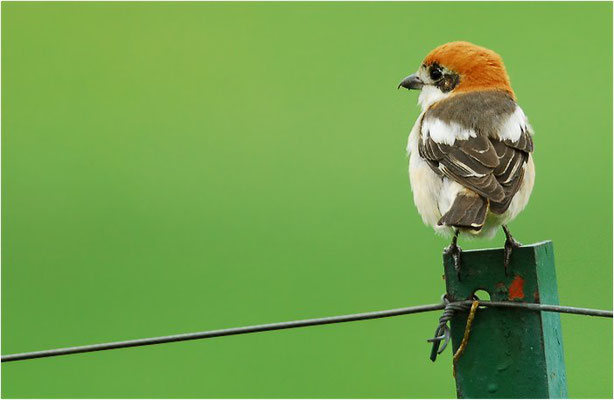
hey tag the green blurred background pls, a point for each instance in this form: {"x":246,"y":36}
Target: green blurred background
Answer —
{"x":171,"y":168}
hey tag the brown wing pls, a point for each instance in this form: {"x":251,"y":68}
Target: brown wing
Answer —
{"x":470,"y":162}
{"x":490,"y":167}
{"x":510,"y":171}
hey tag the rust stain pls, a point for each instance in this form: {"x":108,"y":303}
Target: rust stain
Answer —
{"x":516,"y":290}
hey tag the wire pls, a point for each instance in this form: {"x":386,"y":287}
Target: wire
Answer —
{"x":546,"y":307}
{"x":223,"y":332}
{"x":294,"y":324}
{"x":443,"y":334}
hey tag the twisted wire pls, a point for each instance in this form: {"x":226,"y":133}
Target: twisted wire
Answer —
{"x":442,"y":332}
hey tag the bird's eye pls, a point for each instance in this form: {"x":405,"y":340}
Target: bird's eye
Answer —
{"x":435,"y":74}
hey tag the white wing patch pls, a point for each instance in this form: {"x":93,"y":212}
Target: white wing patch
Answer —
{"x":515,"y":124}
{"x":445,"y":133}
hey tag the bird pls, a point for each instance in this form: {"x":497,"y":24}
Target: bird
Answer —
{"x":471,"y":166}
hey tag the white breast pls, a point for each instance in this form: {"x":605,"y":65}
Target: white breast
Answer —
{"x":426,"y":185}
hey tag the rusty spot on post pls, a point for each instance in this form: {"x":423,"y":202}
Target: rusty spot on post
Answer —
{"x":516,"y":290}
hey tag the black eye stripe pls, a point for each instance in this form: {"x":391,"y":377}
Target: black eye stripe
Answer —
{"x":445,"y":82}
{"x":448,"y":82}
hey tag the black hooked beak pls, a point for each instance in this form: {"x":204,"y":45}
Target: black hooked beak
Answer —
{"x":411,"y":82}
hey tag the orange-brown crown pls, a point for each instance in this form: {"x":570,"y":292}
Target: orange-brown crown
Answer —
{"x":479,"y":68}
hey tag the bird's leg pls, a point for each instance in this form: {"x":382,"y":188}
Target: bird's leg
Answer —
{"x":510,"y":244}
{"x":455,"y":252}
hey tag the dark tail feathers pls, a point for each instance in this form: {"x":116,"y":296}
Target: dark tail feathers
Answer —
{"x":468,"y":212}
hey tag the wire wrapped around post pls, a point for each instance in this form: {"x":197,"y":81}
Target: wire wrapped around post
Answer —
{"x":442,"y":333}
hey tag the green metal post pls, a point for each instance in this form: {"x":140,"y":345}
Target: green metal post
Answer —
{"x":510,"y":353}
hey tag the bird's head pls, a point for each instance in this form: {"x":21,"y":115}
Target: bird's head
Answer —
{"x":458,"y":67}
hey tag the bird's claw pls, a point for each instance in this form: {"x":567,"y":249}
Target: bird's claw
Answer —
{"x":510,"y":245}
{"x":455,"y":251}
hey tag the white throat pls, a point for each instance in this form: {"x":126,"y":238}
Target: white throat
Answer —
{"x":430,"y":94}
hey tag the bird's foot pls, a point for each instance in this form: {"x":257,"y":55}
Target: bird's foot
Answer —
{"x":510,"y":245}
{"x":455,"y":251}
